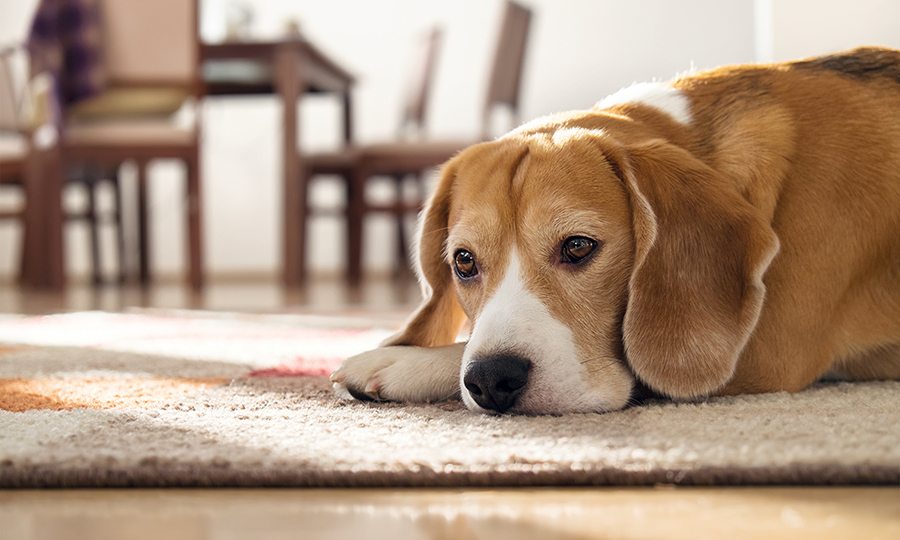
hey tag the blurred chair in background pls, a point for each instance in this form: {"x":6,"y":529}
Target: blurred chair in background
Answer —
{"x":134,"y":104}
{"x":410,"y":155}
{"x":13,"y":139}
{"x":504,"y":88}
{"x":14,"y":148}
{"x":413,"y":154}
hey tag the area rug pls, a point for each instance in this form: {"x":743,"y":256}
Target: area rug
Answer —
{"x":202,"y":399}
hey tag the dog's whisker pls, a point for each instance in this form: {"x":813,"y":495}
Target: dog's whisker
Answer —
{"x":451,"y":395}
{"x":610,"y":361}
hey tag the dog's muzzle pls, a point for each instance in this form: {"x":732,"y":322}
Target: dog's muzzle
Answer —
{"x":496,"y":382}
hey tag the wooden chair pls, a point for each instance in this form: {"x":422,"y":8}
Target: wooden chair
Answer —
{"x":14,"y":149}
{"x":413,"y":156}
{"x":13,"y":140}
{"x":151,"y":56}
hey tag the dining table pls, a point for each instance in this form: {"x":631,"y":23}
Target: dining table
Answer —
{"x":287,"y":68}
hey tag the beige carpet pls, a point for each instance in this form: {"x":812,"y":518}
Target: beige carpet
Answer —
{"x":97,"y":399}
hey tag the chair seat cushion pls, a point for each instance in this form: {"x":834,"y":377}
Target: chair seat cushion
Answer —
{"x":128,"y":102}
{"x":129,"y":133}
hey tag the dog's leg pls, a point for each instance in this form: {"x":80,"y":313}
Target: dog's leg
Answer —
{"x":402,"y":373}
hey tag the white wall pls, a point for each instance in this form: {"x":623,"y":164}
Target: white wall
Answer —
{"x":580,"y":51}
{"x":832,"y":26}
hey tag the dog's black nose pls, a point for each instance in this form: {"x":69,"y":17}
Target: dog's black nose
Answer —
{"x":495,"y":383}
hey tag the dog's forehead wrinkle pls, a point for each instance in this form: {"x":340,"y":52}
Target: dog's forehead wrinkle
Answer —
{"x":519,"y":175}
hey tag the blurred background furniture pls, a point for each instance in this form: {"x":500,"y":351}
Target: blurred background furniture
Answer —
{"x":139,"y":109}
{"x":14,"y":154}
{"x":289,"y":69}
{"x":13,"y":139}
{"x":412,"y":154}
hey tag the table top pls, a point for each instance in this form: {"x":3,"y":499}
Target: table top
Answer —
{"x":248,"y":67}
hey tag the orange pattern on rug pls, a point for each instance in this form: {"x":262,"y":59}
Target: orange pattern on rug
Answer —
{"x":20,"y":395}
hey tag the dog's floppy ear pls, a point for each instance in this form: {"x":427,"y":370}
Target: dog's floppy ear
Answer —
{"x":696,"y":288}
{"x":439,"y":318}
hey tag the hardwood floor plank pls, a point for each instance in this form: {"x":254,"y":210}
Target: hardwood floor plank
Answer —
{"x":620,"y":513}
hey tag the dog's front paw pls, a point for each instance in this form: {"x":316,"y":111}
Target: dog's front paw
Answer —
{"x":401,"y":373}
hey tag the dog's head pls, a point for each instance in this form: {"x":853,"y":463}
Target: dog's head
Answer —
{"x":584,"y":263}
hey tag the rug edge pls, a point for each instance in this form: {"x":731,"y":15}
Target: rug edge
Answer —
{"x":196,"y":477}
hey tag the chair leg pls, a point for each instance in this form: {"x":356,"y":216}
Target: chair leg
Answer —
{"x":400,"y":215}
{"x":143,"y":233}
{"x":356,"y":185}
{"x":302,"y":211}
{"x":195,"y":222}
{"x":118,"y":223}
{"x":44,"y":261}
{"x":94,"y":224}
{"x":23,"y":263}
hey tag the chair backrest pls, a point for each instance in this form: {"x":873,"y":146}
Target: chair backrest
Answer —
{"x":506,"y":73}
{"x":151,"y":42}
{"x":9,"y":96}
{"x":419,"y":85}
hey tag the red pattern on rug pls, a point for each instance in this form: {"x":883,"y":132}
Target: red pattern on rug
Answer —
{"x":122,"y":375}
{"x":300,"y":367}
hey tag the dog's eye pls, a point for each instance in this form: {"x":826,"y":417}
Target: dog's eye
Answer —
{"x":465,"y":265}
{"x":577,"y":248}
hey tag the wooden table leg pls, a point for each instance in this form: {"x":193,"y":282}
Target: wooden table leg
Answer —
{"x":289,"y":65}
{"x":44,"y":258}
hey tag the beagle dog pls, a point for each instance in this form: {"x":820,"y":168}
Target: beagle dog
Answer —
{"x":731,"y":231}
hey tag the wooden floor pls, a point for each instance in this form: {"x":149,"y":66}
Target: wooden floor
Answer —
{"x":632,"y":513}
{"x":235,"y":294}
{"x":648,"y":513}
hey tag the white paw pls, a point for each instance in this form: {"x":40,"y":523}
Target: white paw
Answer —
{"x":401,"y":373}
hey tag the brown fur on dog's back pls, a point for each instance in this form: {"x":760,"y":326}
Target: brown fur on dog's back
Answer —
{"x":821,"y":156}
{"x":814,"y":148}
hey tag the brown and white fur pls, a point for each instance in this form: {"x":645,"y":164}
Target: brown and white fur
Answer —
{"x":734,"y":231}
